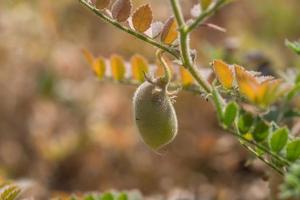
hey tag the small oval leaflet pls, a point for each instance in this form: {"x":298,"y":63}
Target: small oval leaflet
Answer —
{"x":139,"y":66}
{"x":121,"y":10}
{"x":99,"y":67}
{"x":169,"y":33}
{"x":224,"y":73}
{"x":117,"y":67}
{"x":186,"y":77}
{"x":279,"y":139}
{"x":142,"y":18}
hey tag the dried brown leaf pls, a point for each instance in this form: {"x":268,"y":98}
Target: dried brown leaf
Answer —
{"x":121,"y":10}
{"x":142,"y":18}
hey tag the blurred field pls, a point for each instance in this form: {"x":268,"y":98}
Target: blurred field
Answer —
{"x":65,"y":131}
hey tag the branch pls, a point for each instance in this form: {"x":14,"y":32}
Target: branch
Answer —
{"x":205,"y":14}
{"x":185,"y":48}
{"x":138,"y":35}
{"x":267,"y":162}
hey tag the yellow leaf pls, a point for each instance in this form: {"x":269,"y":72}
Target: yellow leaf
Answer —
{"x":142,"y":18}
{"x":99,"y":67}
{"x":88,"y":56}
{"x":169,"y":33}
{"x":139,"y":66}
{"x":205,"y":4}
{"x":263,"y":93}
{"x":268,"y":92}
{"x":247,"y":83}
{"x":117,"y":67}
{"x":186,"y":77}
{"x":121,"y":10}
{"x":224,"y":73}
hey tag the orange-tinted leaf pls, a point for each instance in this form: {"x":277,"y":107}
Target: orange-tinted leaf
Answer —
{"x":224,"y":73}
{"x":101,"y":4}
{"x":169,"y":33}
{"x":142,"y":18}
{"x":247,"y":83}
{"x":88,"y":56}
{"x":121,"y":10}
{"x":117,"y":67}
{"x":186,"y":77}
{"x":99,"y":67}
{"x":269,"y":92}
{"x":139,"y":66}
{"x":205,"y":4}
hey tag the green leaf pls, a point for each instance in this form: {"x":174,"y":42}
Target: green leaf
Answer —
{"x":245,"y":123}
{"x":279,"y":139}
{"x":89,"y":197}
{"x":261,"y":131}
{"x":293,"y":150}
{"x":123,"y":196}
{"x":9,"y":192}
{"x":292,"y":113}
{"x":230,"y":113}
{"x":107,"y":196}
{"x":295,"y":46}
{"x":294,"y":92}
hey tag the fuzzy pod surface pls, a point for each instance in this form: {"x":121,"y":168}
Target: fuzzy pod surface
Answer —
{"x":154,"y":115}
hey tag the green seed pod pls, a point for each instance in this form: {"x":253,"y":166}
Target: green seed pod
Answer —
{"x":154,"y":114}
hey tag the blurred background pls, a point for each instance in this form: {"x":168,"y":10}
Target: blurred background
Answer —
{"x":66,"y":132}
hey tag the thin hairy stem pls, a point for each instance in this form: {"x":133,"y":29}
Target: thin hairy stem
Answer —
{"x":167,"y":75}
{"x":185,"y":48}
{"x":267,"y":162}
{"x":275,"y":156}
{"x":206,"y":13}
{"x":138,"y":35}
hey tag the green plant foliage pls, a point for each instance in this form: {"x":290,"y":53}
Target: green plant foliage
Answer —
{"x":261,"y":131}
{"x":230,"y":113}
{"x":294,"y":92}
{"x":293,"y":150}
{"x":9,"y":192}
{"x":295,"y":46}
{"x":279,"y":139}
{"x":245,"y":122}
{"x":290,"y":189}
{"x":131,"y":195}
{"x":107,"y":196}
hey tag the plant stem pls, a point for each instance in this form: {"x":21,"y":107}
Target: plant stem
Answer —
{"x":219,"y":104}
{"x":185,"y":48}
{"x":138,"y":35}
{"x":267,"y":162}
{"x":167,"y":75}
{"x":236,"y":133}
{"x":199,"y":20}
{"x":262,"y":148}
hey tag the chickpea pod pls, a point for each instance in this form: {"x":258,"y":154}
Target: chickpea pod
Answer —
{"x":154,"y":113}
